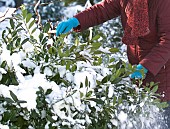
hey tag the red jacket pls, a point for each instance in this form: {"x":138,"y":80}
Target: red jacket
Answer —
{"x":153,"y":50}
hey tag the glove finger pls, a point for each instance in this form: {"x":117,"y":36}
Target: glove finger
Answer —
{"x":58,"y":29}
{"x":139,"y":76}
{"x":67,"y":29}
{"x":136,"y":75}
{"x":132,"y":76}
{"x":63,"y":27}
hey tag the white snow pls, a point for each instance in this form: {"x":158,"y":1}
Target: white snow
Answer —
{"x":59,"y":97}
{"x":122,"y":117}
{"x":4,"y":126}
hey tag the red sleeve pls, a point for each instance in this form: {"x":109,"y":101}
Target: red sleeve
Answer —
{"x":97,"y":14}
{"x":160,"y":54}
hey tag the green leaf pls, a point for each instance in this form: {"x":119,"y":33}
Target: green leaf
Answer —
{"x":24,"y":13}
{"x":14,"y":97}
{"x":96,"y":45}
{"x":41,"y":36}
{"x":72,"y":49}
{"x":24,"y":41}
{"x":19,"y":25}
{"x":164,"y":105}
{"x":6,"y":116}
{"x":14,"y":33}
{"x":155,"y":88}
{"x":62,"y":36}
{"x":159,"y":104}
{"x":114,"y":50}
{"x":74,"y":68}
{"x":67,"y":53}
{"x":89,"y":94}
{"x":114,"y":100}
{"x":56,"y":78}
{"x":68,"y":65}
{"x":44,"y":40}
{"x":98,"y":82}
{"x":15,"y":38}
{"x":2,"y":98}
{"x":18,"y":16}
{"x":111,"y":66}
{"x":48,"y":91}
{"x":46,"y":27}
{"x":3,"y":33}
{"x":8,"y":100}
{"x":119,"y":100}
{"x":18,"y":42}
{"x":4,"y":64}
{"x":106,"y":79}
{"x":77,"y":42}
{"x":31,"y":24}
{"x":19,"y":30}
{"x":97,"y":52}
{"x":52,"y":50}
{"x":21,"y":101}
{"x":12,"y":23}
{"x":147,"y":89}
{"x":151,"y":83}
{"x":98,"y":101}
{"x":86,"y":82}
{"x":100,"y":60}
{"x":116,"y":80}
{"x":81,"y":94}
{"x":46,"y":58}
{"x":81,"y":85}
{"x":96,"y":37}
{"x":50,"y":119}
{"x":66,"y":83}
{"x":29,"y":16}
{"x":60,"y":52}
{"x":4,"y":36}
{"x":34,"y":115}
{"x":112,"y":60}
{"x":33,"y":30}
{"x":14,"y":80}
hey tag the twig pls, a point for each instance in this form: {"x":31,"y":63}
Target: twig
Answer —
{"x":51,"y":31}
{"x":2,"y":18}
{"x":5,"y":13}
{"x":37,"y":13}
{"x":42,"y":4}
{"x":8,"y":12}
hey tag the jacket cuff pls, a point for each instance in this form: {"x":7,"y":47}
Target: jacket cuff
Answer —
{"x":149,"y":66}
{"x":77,"y":29}
{"x":80,"y":27}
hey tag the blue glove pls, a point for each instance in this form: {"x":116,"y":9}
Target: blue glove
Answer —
{"x":137,"y":74}
{"x":66,"y":26}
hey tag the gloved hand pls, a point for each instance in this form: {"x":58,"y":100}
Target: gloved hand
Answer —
{"x":66,"y":26}
{"x":137,"y":74}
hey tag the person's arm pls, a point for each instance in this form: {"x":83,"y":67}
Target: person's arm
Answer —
{"x":160,"y":54}
{"x":97,"y":14}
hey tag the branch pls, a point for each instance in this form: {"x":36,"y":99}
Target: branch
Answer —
{"x":37,"y":13}
{"x":7,"y":14}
